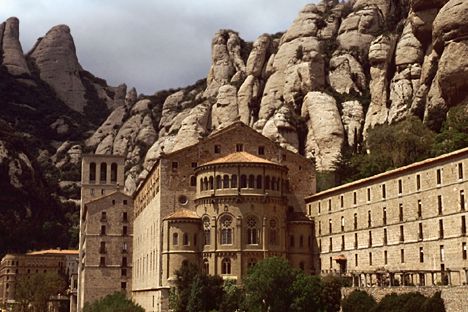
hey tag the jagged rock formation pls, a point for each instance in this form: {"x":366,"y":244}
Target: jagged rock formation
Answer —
{"x":12,"y":53}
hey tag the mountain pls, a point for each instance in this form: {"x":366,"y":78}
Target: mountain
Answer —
{"x":348,"y":84}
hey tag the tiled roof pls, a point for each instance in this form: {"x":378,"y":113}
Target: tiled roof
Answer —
{"x":182,"y":214}
{"x":53,"y":252}
{"x":240,"y":157}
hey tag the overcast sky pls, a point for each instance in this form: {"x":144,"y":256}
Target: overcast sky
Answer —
{"x":149,"y":44}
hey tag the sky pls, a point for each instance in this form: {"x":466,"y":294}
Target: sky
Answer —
{"x":149,"y":44}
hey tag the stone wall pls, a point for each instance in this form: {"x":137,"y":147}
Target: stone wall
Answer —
{"x":455,"y":298}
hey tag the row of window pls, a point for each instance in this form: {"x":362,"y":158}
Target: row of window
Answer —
{"x":384,"y":188}
{"x":103,"y":248}
{"x":250,"y":181}
{"x":102,"y":262}
{"x":384,"y":214}
{"x":104,"y":230}
{"x":464,"y":256}
{"x":401,"y":236}
{"x":102,"y":172}
{"x":104,"y":216}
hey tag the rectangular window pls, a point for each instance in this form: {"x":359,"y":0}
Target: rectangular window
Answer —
{"x":441,"y":228}
{"x":384,"y":191}
{"x":217,"y":149}
{"x":330,"y":225}
{"x":460,"y":171}
{"x":439,"y":176}
{"x":385,"y":237}
{"x":442,"y":253}
{"x":175,"y":165}
{"x":369,"y":219}
{"x":124,"y":262}
{"x":125,"y":217}
{"x":355,"y":221}
{"x":342,"y":201}
{"x":124,"y":230}
{"x":385,"y":257}
{"x":331,"y":245}
{"x":103,"y":216}
{"x":370,"y":238}
{"x":102,"y":248}
{"x":103,"y":230}
{"x":355,"y":240}
{"x":356,"y":260}
{"x":239,"y":147}
{"x":462,"y":200}
{"x":420,"y":233}
{"x":319,"y":208}
{"x":400,"y":214}
{"x":384,"y":214}
{"x":418,"y":182}
{"x":125,"y":202}
{"x":261,"y":150}
{"x":370,"y":258}
{"x":320,"y":227}
{"x":102,"y":261}
{"x":419,"y":209}
{"x":402,"y":255}
{"x":402,"y":234}
{"x":329,"y":205}
{"x":194,"y":165}
{"x":342,"y":224}
{"x":123,"y":285}
{"x":368,"y":194}
{"x":464,"y":254}
{"x":439,"y":204}
{"x":354,"y":198}
{"x":421,"y":254}
{"x":400,"y":187}
{"x":123,"y":272}
{"x":342,"y":242}
{"x":463,"y":225}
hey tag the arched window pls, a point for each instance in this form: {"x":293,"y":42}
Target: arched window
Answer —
{"x":252,"y":262}
{"x":206,"y":266}
{"x":218,"y":182}
{"x":207,"y":230}
{"x":251,"y":181}
{"x":301,"y":241}
{"x":113,"y":172}
{"x":103,"y":176}
{"x":193,"y":181}
{"x":175,"y":239}
{"x":202,"y":185}
{"x":278,"y":181}
{"x":291,"y":241}
{"x":252,"y":230}
{"x":226,"y":266}
{"x":267,"y":182}
{"x":243,"y":181}
{"x":211,"y":183}
{"x":185,"y":239}
{"x":225,"y":181}
{"x":273,"y":232}
{"x":273,"y":183}
{"x":92,"y":172}
{"x":259,"y":181}
{"x":205,"y":184}
{"x":226,"y":230}
{"x":234,"y":181}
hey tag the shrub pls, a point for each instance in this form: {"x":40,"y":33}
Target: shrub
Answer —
{"x":358,"y":301}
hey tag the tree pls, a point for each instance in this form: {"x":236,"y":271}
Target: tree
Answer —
{"x":358,"y":301}
{"x":307,"y":291}
{"x":408,"y":302}
{"x":180,"y":296}
{"x":35,"y":290}
{"x":454,"y":133}
{"x":233,"y":299}
{"x":206,"y":293}
{"x":116,"y":302}
{"x":263,"y":283}
{"x":434,"y":304}
{"x":331,"y":293}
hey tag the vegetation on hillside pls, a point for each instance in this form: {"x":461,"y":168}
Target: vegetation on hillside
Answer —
{"x":115,"y":302}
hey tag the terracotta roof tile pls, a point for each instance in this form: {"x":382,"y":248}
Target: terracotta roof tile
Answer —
{"x":182,"y":214}
{"x":53,"y":252}
{"x":240,"y":157}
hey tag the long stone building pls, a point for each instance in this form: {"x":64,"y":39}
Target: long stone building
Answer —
{"x":224,"y":204}
{"x":402,"y":227}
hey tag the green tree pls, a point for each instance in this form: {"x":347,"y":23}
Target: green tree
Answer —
{"x":206,"y":293}
{"x":116,"y":302}
{"x":331,"y":293}
{"x":35,"y":290}
{"x":434,"y":304}
{"x":454,"y":133}
{"x":409,"y":302}
{"x":233,"y":299}
{"x":358,"y":301}
{"x":307,"y":292}
{"x":264,"y":282}
{"x":180,"y":296}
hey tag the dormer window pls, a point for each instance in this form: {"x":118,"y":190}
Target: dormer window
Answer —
{"x":239,"y":147}
{"x":217,"y":149}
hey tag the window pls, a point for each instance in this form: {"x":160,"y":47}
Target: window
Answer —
{"x":123,"y":285}
{"x":124,"y":262}
{"x":103,"y":230}
{"x":206,"y":266}
{"x":439,"y":204}
{"x":125,"y":217}
{"x":418,"y":182}
{"x":420,"y":233}
{"x":330,"y":226}
{"x":273,"y":232}
{"x":369,"y":219}
{"x":464,"y":253}
{"x":103,"y":175}
{"x":123,"y":272}
{"x":355,"y":240}
{"x":102,"y":261}
{"x":252,"y":230}
{"x":113,"y":172}
{"x":185,"y":239}
{"x":124,"y":247}
{"x":239,"y":147}
{"x":370,"y":238}
{"x":400,"y":214}
{"x":301,"y":241}
{"x":462,"y":200}
{"x":370,"y":258}
{"x":421,"y":254}
{"x":267,"y":182}
{"x":217,"y":149}
{"x":342,"y":224}
{"x":419,"y":209}
{"x":125,"y":202}
{"x":463,"y":225}
{"x":385,"y":257}
{"x":329,"y":205}
{"x":384,"y":215}
{"x":175,"y":239}
{"x":226,"y":230}
{"x":259,"y":181}
{"x":331,"y":245}
{"x":442,"y":253}
{"x":292,"y":242}
{"x":320,"y":227}
{"x":402,"y":234}
{"x":226,"y":266}
{"x":385,"y":237}
{"x":354,"y":198}
{"x":355,"y":221}
{"x":175,"y":165}
{"x":103,"y":216}
{"x":342,"y":201}
{"x":102,"y":248}
{"x":234,"y":181}
{"x":124,"y":230}
{"x":356,"y":260}
{"x":319,"y":208}
{"x":92,"y":172}
{"x":368,"y":194}
{"x":384,"y":191}
{"x":460,"y":171}
{"x":243,"y":181}
{"x":400,"y":187}
{"x":441,"y":228}
{"x":402,"y":255}
{"x":251,"y":181}
{"x":218,"y":182}
{"x":343,"y":246}
{"x":261,"y":150}
{"x":193,"y":181}
{"x":439,"y":177}
{"x":194,"y":165}
{"x":225,"y":181}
